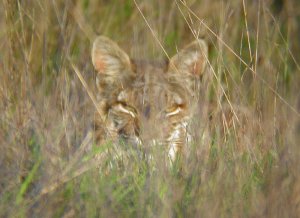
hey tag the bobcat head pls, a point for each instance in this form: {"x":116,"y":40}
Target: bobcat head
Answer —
{"x":142,"y":102}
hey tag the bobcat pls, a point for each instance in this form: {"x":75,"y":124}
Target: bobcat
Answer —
{"x":144,"y":102}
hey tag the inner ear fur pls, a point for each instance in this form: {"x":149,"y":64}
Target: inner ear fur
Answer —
{"x":108,"y":58}
{"x":190,"y":60}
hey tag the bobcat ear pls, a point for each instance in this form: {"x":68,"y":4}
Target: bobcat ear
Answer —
{"x":108,"y":57}
{"x":191,"y":60}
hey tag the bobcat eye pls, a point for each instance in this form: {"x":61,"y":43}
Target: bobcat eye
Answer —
{"x":125,"y":109}
{"x":124,"y":120}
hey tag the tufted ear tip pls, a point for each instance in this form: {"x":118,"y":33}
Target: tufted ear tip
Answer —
{"x":107,"y":56}
{"x":97,"y":56}
{"x":198,"y":44}
{"x":192,"y":59}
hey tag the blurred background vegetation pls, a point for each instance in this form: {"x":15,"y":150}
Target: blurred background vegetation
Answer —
{"x":252,"y":164}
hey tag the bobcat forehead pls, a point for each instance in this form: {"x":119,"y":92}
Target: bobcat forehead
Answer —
{"x":146,"y":101}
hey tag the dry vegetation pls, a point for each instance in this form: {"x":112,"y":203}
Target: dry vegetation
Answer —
{"x":251,"y":167}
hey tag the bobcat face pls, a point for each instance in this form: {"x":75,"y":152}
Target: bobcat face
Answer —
{"x":145,"y":102}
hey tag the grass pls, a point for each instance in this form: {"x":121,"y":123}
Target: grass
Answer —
{"x":246,"y":166}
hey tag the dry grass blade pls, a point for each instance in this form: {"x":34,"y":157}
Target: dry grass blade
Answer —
{"x":257,"y":36}
{"x":210,"y":66}
{"x":92,"y":97}
{"x":61,"y":180}
{"x":247,"y":30}
{"x":283,"y":38}
{"x":152,"y":32}
{"x":243,"y":153}
{"x":86,"y":143}
{"x":83,"y":24}
{"x":250,"y":68}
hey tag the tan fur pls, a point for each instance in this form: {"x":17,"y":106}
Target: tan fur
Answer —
{"x":143,"y":101}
